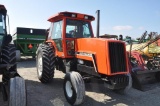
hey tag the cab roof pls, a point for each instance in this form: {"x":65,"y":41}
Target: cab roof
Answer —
{"x":71,"y":15}
{"x":3,"y":9}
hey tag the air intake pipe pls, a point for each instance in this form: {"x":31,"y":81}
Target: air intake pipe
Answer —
{"x":98,"y":22}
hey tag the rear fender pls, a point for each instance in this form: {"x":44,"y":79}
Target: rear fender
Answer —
{"x":53,"y":44}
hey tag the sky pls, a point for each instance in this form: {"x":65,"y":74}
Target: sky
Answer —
{"x":126,"y":17}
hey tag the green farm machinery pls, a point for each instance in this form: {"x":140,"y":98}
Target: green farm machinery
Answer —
{"x":27,"y":40}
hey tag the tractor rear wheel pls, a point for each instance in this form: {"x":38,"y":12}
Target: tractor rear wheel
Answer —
{"x":17,"y":92}
{"x":8,"y":57}
{"x":74,"y":88}
{"x":45,"y":63}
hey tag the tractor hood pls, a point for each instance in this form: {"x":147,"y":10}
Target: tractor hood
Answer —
{"x":110,"y":55}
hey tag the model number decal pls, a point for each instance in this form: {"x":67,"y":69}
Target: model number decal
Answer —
{"x":84,"y":54}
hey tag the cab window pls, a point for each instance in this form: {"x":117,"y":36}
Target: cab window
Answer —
{"x":57,"y":30}
{"x":77,"y":29}
{"x":56,"y":34}
{"x":2,"y":24}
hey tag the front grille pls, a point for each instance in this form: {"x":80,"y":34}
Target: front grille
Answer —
{"x":117,"y":57}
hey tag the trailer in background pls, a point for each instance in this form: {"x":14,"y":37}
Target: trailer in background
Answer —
{"x":27,"y":40}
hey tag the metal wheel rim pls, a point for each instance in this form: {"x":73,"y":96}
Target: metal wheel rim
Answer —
{"x":68,"y":88}
{"x":40,"y":64}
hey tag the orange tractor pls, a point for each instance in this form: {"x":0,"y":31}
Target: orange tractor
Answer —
{"x":71,"y":47}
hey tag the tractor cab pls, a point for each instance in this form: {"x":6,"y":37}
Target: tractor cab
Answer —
{"x":3,"y":27}
{"x":66,"y":27}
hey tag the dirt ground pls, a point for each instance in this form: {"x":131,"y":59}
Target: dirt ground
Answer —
{"x":51,"y":94}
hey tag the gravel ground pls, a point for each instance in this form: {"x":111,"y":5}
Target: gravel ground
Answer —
{"x":51,"y":94}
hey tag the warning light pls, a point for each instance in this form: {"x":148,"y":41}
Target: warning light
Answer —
{"x":30,"y":46}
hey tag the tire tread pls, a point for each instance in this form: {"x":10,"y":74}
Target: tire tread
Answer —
{"x":48,"y":63}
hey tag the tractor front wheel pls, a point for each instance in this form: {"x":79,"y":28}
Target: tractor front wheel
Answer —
{"x":17,"y":92}
{"x":74,"y":88}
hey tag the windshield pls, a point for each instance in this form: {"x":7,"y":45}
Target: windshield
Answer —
{"x":77,"y":29}
{"x":2,"y":24}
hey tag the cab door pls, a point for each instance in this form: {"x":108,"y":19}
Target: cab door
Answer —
{"x":56,"y":35}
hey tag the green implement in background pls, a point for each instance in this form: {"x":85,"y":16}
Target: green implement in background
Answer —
{"x":27,"y":40}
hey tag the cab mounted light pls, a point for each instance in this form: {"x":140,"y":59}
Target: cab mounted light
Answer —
{"x":68,"y":14}
{"x":73,"y":15}
{"x":86,"y":17}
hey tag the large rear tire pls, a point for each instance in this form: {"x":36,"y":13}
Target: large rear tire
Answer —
{"x":17,"y":92}
{"x":8,"y":57}
{"x":74,"y":88}
{"x":45,"y":63}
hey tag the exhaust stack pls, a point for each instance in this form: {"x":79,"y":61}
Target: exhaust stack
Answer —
{"x":98,"y":23}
